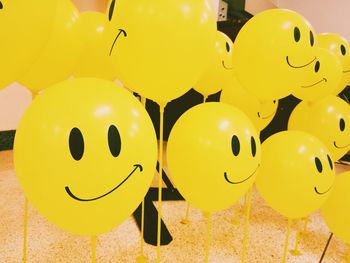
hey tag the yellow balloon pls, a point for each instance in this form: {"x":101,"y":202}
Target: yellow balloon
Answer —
{"x":55,"y":63}
{"x":328,"y":120}
{"x":272,"y":53}
{"x":160,"y":48}
{"x":81,"y":155}
{"x":213,"y":155}
{"x":340,"y":47}
{"x":220,"y":70}
{"x":296,"y":175}
{"x":25,"y":29}
{"x":324,"y":77}
{"x":93,"y":61}
{"x":336,"y":209}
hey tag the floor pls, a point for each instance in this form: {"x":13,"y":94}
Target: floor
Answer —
{"x":47,"y":243}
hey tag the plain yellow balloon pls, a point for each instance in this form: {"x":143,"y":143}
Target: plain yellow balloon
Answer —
{"x":160,"y":48}
{"x":93,"y":61}
{"x":272,"y":53}
{"x":220,"y":70}
{"x":213,"y":155}
{"x":25,"y":27}
{"x":85,"y":154}
{"x":55,"y":63}
{"x":336,"y":209}
{"x":296,"y":175}
{"x":324,"y":77}
{"x":340,"y":47}
{"x":328,"y":120}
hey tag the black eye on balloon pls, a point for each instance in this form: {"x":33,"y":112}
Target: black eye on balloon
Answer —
{"x":76,"y":144}
{"x":274,"y":101}
{"x":317,"y":66}
{"x":111,"y":10}
{"x":330,"y":161}
{"x":228,"y":48}
{"x":312,"y":39}
{"x":343,"y":50}
{"x":296,"y":34}
{"x":114,"y":141}
{"x":235,"y":145}
{"x":318,"y":165}
{"x":341,"y":124}
{"x":1,"y":6}
{"x":253,"y":145}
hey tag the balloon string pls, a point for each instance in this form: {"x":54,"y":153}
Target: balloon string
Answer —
{"x":93,"y":249}
{"x":25,"y":228}
{"x":205,"y":98}
{"x":207,"y":238}
{"x":287,"y":240}
{"x":33,"y":95}
{"x":160,"y":180}
{"x":326,"y":248}
{"x":247,"y":224}
{"x":297,"y":237}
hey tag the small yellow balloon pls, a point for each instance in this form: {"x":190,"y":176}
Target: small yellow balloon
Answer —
{"x":272,"y":53}
{"x":55,"y":63}
{"x":25,"y":27}
{"x":93,"y":61}
{"x":81,"y":155}
{"x":296,"y":175}
{"x":339,"y":46}
{"x":328,"y":120}
{"x":336,"y":209}
{"x":160,"y":48}
{"x":220,"y":70}
{"x":324,"y":77}
{"x":213,"y":155}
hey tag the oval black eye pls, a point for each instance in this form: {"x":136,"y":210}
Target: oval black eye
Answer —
{"x":235,"y":145}
{"x":228,"y":48}
{"x":317,"y":66}
{"x":296,"y":34}
{"x":342,"y":124}
{"x":318,"y":165}
{"x":312,"y":40}
{"x":343,"y":50}
{"x":1,"y":6}
{"x":114,"y":141}
{"x":330,"y":161}
{"x":274,"y":101}
{"x":253,"y":145}
{"x":76,"y":144}
{"x":111,"y":10}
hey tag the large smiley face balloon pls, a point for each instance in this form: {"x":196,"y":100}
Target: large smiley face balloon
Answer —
{"x":297,"y":173}
{"x":328,"y":120}
{"x":340,"y":47}
{"x":324,"y":77}
{"x":213,"y":155}
{"x":160,"y":48}
{"x":85,"y":154}
{"x":25,"y":27}
{"x":272,"y":53}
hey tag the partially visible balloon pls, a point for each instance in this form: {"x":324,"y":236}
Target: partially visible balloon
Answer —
{"x":297,"y":173}
{"x":93,"y":61}
{"x":328,"y":120}
{"x":340,"y":47}
{"x":220,"y":70}
{"x":55,"y":63}
{"x":272,"y":53}
{"x":267,"y":112}
{"x":160,"y":48}
{"x":25,"y":27}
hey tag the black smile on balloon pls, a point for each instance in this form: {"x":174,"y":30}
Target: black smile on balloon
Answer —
{"x":266,"y":117}
{"x":340,"y":147}
{"x":228,"y":68}
{"x":346,"y":71}
{"x":232,"y":182}
{"x":301,"y":66}
{"x":121,"y":31}
{"x":69,"y":192}
{"x":322,"y":193}
{"x":318,"y":82}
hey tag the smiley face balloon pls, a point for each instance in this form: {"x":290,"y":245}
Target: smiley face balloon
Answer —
{"x":221,"y":157}
{"x":339,"y":46}
{"x":25,"y":27}
{"x":328,"y":120}
{"x":324,"y":77}
{"x":160,"y":48}
{"x":85,"y":154}
{"x":272,"y":53}
{"x":297,"y":173}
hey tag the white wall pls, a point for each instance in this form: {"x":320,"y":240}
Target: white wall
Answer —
{"x":257,"y":6}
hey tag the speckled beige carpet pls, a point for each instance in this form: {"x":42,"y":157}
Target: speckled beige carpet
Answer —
{"x":47,"y":243}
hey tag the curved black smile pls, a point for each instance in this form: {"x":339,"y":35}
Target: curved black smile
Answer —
{"x":318,"y":82}
{"x":69,"y":192}
{"x":340,"y":147}
{"x":302,"y":66}
{"x":223,"y":64}
{"x":322,"y":193}
{"x":116,"y":38}
{"x":231,"y":182}
{"x":268,"y":116}
{"x":346,"y":71}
